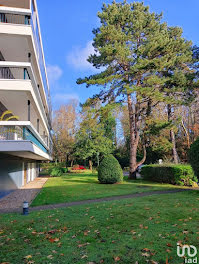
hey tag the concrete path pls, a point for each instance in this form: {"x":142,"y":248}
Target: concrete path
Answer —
{"x":113,"y":198}
{"x":13,"y":201}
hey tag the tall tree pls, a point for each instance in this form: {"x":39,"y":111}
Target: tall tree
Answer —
{"x":65,"y":127}
{"x":134,"y":49}
{"x":91,"y":140}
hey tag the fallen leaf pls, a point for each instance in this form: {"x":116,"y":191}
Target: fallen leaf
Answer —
{"x":52,"y":231}
{"x":117,"y":259}
{"x":52,"y":240}
{"x":86,"y":233}
{"x":169,"y":245}
{"x":83,"y":245}
{"x":28,"y":257}
{"x":145,"y":249}
{"x":50,"y":256}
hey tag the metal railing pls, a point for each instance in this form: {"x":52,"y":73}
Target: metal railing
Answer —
{"x":14,"y":18}
{"x":14,"y":73}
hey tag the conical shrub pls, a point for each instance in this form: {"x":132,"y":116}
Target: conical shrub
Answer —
{"x":110,"y":170}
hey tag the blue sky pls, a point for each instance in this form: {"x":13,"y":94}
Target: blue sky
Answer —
{"x":67,"y":38}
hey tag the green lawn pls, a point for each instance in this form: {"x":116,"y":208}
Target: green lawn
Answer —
{"x":77,"y":187}
{"x":144,"y":229}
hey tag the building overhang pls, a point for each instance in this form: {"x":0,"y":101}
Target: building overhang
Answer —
{"x":24,"y":149}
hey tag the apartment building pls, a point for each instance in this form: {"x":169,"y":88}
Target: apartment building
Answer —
{"x":25,"y":108}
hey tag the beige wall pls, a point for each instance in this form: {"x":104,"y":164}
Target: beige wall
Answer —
{"x":16,"y":3}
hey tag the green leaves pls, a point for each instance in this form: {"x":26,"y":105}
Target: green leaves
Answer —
{"x":95,"y":135}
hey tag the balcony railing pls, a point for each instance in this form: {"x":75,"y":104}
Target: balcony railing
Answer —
{"x":11,"y":133}
{"x":14,"y":73}
{"x":14,"y":19}
{"x":19,"y":132}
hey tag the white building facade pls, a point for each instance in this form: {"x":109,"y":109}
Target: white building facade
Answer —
{"x":25,"y":108}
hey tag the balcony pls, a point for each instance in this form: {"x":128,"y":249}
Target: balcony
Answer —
{"x":23,"y":131}
{"x":30,"y":20}
{"x":24,"y":72}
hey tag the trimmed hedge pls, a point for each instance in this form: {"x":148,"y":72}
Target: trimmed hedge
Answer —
{"x":170,"y":173}
{"x":110,"y":170}
{"x":194,"y":157}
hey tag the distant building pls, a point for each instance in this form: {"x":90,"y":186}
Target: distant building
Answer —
{"x":25,"y":107}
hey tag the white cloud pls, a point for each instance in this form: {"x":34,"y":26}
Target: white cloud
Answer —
{"x":54,"y":73}
{"x":61,"y":98}
{"x":79,"y":55}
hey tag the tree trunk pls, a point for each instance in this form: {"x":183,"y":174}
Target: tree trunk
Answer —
{"x":90,"y":165}
{"x":186,"y":132}
{"x":175,"y":154}
{"x":134,"y":139}
{"x":172,"y":135}
{"x":133,"y":161}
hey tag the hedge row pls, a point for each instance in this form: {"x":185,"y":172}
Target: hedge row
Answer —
{"x":194,"y":157}
{"x":174,"y":174}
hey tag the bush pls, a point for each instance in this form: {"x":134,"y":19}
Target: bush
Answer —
{"x":56,"y":172}
{"x":194,"y":157}
{"x":64,"y":170}
{"x":174,"y":174}
{"x":110,"y":170}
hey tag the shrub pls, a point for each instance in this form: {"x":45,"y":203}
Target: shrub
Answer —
{"x":56,"y":172}
{"x":171,"y":173}
{"x":110,"y":170}
{"x":64,"y":170}
{"x":194,"y":157}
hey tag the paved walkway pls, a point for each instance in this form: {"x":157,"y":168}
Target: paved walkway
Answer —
{"x":13,"y":201}
{"x":113,"y":198}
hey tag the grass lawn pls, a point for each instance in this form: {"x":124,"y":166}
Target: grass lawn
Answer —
{"x":140,"y":230}
{"x":77,"y":187}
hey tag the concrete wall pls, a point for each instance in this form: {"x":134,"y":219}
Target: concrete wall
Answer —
{"x":16,"y":3}
{"x":11,"y":174}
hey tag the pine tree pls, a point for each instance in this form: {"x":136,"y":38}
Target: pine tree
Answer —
{"x":135,"y":49}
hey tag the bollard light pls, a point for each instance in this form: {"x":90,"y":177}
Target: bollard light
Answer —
{"x":25,"y":208}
